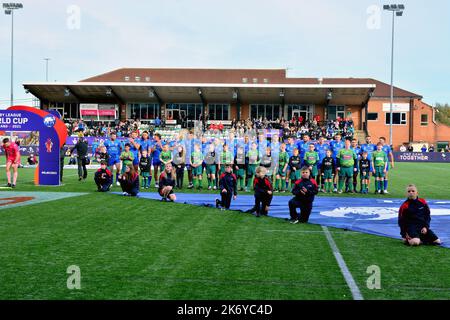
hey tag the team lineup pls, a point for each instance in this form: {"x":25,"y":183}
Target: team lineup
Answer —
{"x":338,"y":166}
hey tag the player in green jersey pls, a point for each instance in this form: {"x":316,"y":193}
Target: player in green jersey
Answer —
{"x":254,"y":159}
{"x":379,"y":167}
{"x":346,"y":164}
{"x":165,"y":156}
{"x":311,"y":160}
{"x":281,"y":168}
{"x":197,"y":168}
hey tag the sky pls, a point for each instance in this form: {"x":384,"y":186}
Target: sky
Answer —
{"x":322,"y":38}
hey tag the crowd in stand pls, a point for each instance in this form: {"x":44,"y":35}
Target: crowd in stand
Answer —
{"x":296,"y":127}
{"x":102,"y":129}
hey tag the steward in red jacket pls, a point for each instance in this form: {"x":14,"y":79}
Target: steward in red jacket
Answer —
{"x":263,"y":193}
{"x":304,"y":192}
{"x":414,"y":220}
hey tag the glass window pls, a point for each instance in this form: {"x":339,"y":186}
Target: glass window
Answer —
{"x":372,"y":116}
{"x":306,"y":111}
{"x":143,"y":111}
{"x":424,"y":120}
{"x":218,"y":111}
{"x":397,"y":118}
{"x":269,"y":111}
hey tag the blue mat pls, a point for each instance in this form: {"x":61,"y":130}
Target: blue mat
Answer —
{"x":368,"y":215}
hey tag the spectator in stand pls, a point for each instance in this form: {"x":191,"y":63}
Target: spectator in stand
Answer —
{"x":410,"y":148}
{"x":424,"y":148}
{"x":32,"y":160}
{"x":431,"y":148}
{"x":81,"y":126}
{"x":403,"y":148}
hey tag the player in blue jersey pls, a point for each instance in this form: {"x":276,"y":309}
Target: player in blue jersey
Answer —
{"x":303,"y":145}
{"x":275,"y":149}
{"x":145,"y":145}
{"x":95,"y":147}
{"x":369,"y":147}
{"x":357,"y":150}
{"x":290,"y":146}
{"x":262,"y":143}
{"x":321,"y":148}
{"x":231,"y":142}
{"x":134,"y":142}
{"x":336,"y":145}
{"x":156,"y":151}
{"x":388,"y":150}
{"x":189,"y":149}
{"x":114,"y":148}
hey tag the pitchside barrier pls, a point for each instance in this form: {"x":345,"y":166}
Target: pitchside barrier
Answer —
{"x":421,"y":157}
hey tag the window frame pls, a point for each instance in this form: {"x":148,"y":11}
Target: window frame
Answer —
{"x":403,"y":114}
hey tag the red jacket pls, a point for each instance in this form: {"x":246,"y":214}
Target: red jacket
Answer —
{"x":413,"y":212}
{"x":261,"y":186}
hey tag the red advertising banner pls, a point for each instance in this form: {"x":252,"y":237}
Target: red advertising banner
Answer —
{"x":88,"y":112}
{"x":98,"y":113}
{"x":107,"y":113}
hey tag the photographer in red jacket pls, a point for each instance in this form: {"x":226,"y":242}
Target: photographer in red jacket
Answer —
{"x":414,"y":220}
{"x":304,"y":192}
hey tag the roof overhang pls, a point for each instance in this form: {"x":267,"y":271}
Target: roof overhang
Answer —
{"x":100,"y":92}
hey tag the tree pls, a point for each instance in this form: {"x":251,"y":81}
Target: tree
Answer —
{"x":443,"y":113}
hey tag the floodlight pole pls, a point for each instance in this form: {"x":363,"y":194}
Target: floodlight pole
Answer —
{"x":12,"y":58}
{"x":396,"y":10}
{"x":46,"y":68}
{"x":392,"y":80}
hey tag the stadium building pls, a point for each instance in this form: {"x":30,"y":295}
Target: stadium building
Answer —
{"x":227,"y":94}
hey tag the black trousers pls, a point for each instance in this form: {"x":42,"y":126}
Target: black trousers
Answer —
{"x":82,"y":171}
{"x":226,"y":199}
{"x":180,"y":175}
{"x":305,"y":209}
{"x":261,"y":202}
{"x":128,"y":189}
{"x":102,"y":184}
{"x":61,"y":169}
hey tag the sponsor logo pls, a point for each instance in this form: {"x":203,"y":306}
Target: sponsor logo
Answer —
{"x":373,"y":213}
{"x":49,"y":172}
{"x":49,"y":121}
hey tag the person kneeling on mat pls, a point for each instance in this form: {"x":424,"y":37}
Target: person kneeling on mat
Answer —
{"x":263,"y":193}
{"x":304,"y":191}
{"x":103,"y":178}
{"x":129,"y":181}
{"x":167,"y":183}
{"x":414,"y":220}
{"x":227,"y":187}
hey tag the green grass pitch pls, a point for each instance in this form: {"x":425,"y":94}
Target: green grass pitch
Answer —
{"x":142,"y":249}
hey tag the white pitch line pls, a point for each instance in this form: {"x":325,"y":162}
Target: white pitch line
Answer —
{"x":345,"y":272}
